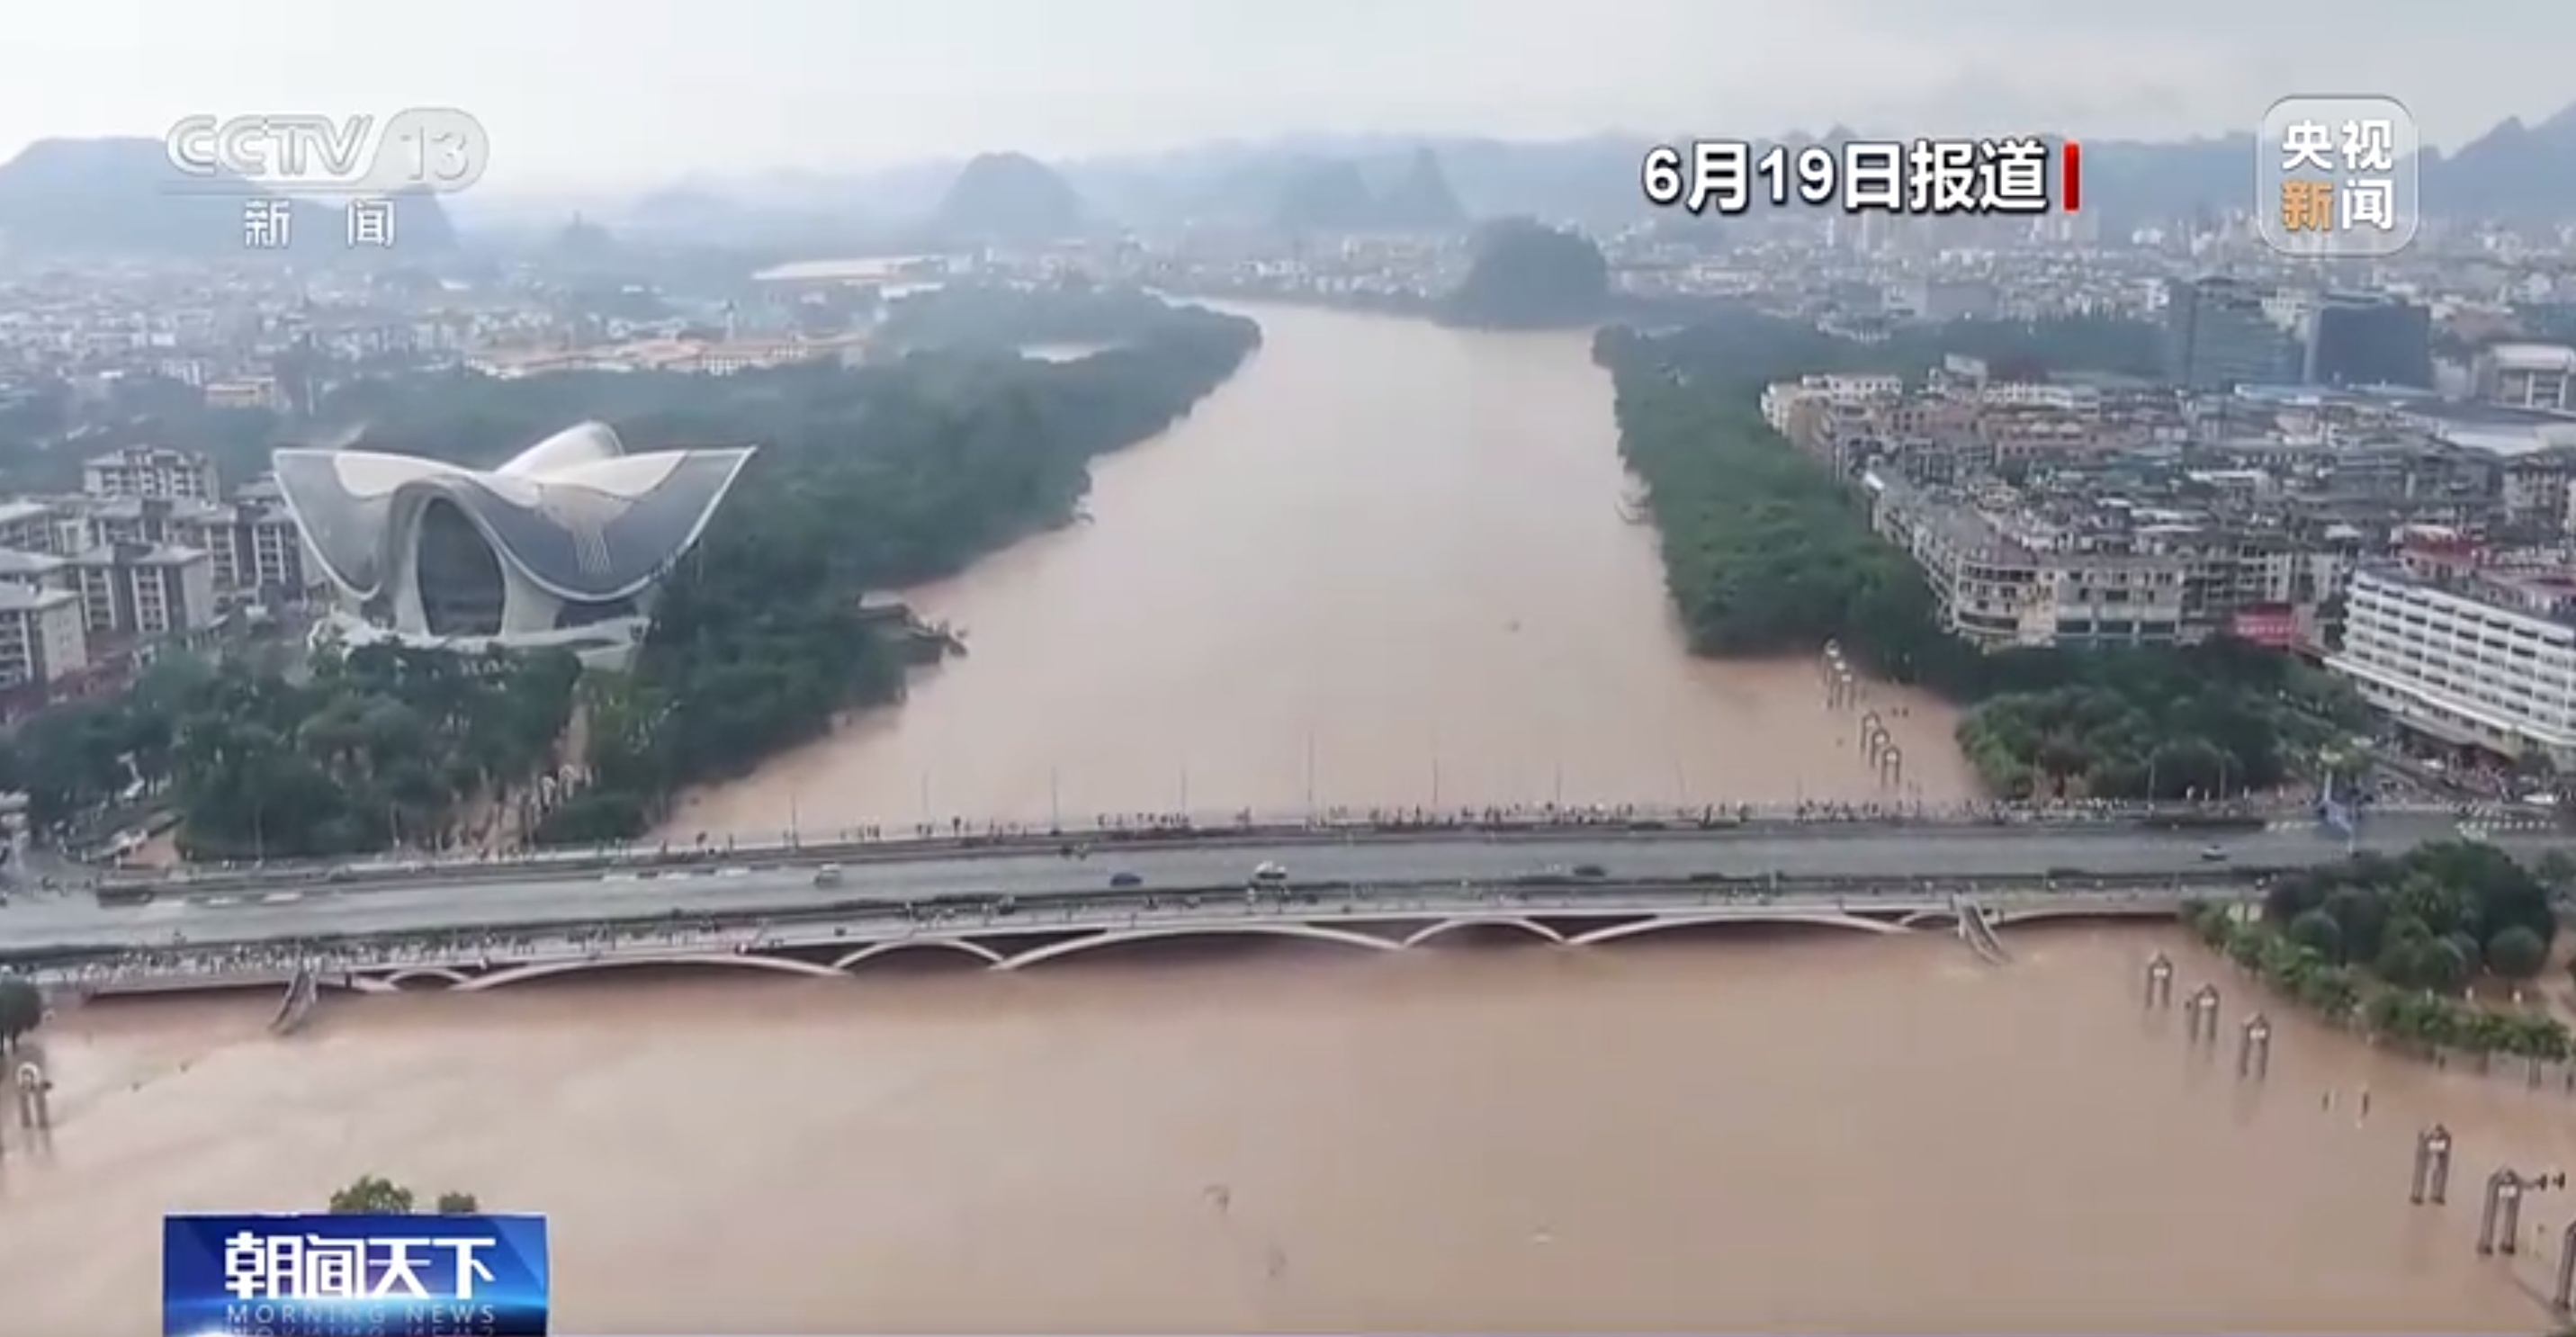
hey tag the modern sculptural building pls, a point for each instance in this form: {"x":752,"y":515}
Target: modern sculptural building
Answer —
{"x":559,"y":546}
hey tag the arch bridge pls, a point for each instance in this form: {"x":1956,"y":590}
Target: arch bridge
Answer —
{"x":1036,"y":935}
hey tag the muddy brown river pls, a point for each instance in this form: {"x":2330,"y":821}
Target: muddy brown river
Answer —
{"x":1387,"y":564}
{"x":1817,"y":1132}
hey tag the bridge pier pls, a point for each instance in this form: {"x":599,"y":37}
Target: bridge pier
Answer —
{"x":2254,"y":1048}
{"x":2203,"y":1010}
{"x":2433,"y":1168}
{"x":2500,"y":1221}
{"x":35,"y":1098}
{"x":2160,"y":973}
{"x":2561,"y":1296}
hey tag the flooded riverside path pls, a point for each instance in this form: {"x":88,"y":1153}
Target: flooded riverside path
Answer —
{"x":1386,"y":565}
{"x":1824,"y":1132}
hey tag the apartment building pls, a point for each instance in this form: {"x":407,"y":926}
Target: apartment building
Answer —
{"x":2000,"y":584}
{"x":151,"y":471}
{"x":2472,"y":655}
{"x":145,"y":590}
{"x":43,"y":635}
{"x":253,"y":543}
{"x":2527,"y":376}
{"x":2228,"y":569}
{"x":27,"y":526}
{"x":36,"y":571}
{"x":269,"y":554}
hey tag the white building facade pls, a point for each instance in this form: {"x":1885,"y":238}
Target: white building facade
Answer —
{"x":2471,"y":670}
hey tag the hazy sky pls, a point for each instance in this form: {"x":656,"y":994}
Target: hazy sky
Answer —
{"x":596,"y":93}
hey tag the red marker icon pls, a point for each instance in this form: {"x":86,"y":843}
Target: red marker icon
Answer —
{"x":2071,"y":176}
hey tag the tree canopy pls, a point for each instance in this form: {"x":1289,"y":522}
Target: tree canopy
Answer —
{"x":375,"y":1195}
{"x":2391,"y":943}
{"x":22,"y":1009}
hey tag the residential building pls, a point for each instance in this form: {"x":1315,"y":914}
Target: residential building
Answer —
{"x":145,"y":590}
{"x":2475,"y":654}
{"x":27,"y":526}
{"x":36,"y":571}
{"x":269,"y":554}
{"x":2527,"y":376}
{"x":2001,"y":584}
{"x":43,"y":635}
{"x":151,"y":471}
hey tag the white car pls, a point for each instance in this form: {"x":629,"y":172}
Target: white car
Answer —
{"x":1269,"y":875}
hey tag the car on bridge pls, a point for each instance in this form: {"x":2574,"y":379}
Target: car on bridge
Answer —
{"x":1270,"y":875}
{"x":829,"y":875}
{"x":1125,"y":881}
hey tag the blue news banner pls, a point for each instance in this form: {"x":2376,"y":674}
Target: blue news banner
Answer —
{"x":353,"y":1276}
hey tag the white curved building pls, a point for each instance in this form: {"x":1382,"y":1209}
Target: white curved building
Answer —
{"x":559,"y":546}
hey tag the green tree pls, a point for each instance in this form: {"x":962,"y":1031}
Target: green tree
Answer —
{"x":22,"y":1009}
{"x":2516,"y":953}
{"x":2319,"y":932}
{"x":372,"y":1195}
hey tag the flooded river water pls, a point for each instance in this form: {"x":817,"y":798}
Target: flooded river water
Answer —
{"x":1386,"y":565}
{"x":1816,"y":1132}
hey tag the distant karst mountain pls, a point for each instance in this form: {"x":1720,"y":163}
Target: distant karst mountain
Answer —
{"x":1335,"y":195}
{"x":121,"y":196}
{"x":1008,"y":197}
{"x":110,"y":197}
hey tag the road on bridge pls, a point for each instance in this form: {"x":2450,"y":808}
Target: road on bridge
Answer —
{"x":1863,"y":852}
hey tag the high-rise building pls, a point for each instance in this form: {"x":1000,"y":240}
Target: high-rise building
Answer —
{"x":2218,"y":336}
{"x":151,"y":471}
{"x":2367,"y":339}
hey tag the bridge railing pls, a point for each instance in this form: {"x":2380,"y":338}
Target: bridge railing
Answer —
{"x":960,"y":837}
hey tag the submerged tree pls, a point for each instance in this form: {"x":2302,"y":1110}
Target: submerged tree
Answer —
{"x":375,"y":1195}
{"x":22,"y":1009}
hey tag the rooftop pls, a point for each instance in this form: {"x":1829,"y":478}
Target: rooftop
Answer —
{"x":22,"y":599}
{"x":139,"y":554}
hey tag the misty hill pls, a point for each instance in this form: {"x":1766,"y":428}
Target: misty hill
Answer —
{"x":121,"y":196}
{"x":421,"y":224}
{"x":1529,"y":276}
{"x":1008,"y":197}
{"x":1336,"y":195}
{"x":112,"y":197}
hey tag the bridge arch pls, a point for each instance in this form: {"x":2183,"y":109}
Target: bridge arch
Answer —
{"x":1115,"y":937}
{"x":1943,"y":915}
{"x":891,"y":945}
{"x":1661,"y":923}
{"x":447,"y":975}
{"x":1521,"y":922}
{"x":548,"y":969}
{"x":2077,"y":910}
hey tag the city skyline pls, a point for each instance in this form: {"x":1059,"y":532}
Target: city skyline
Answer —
{"x":798,"y":85}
